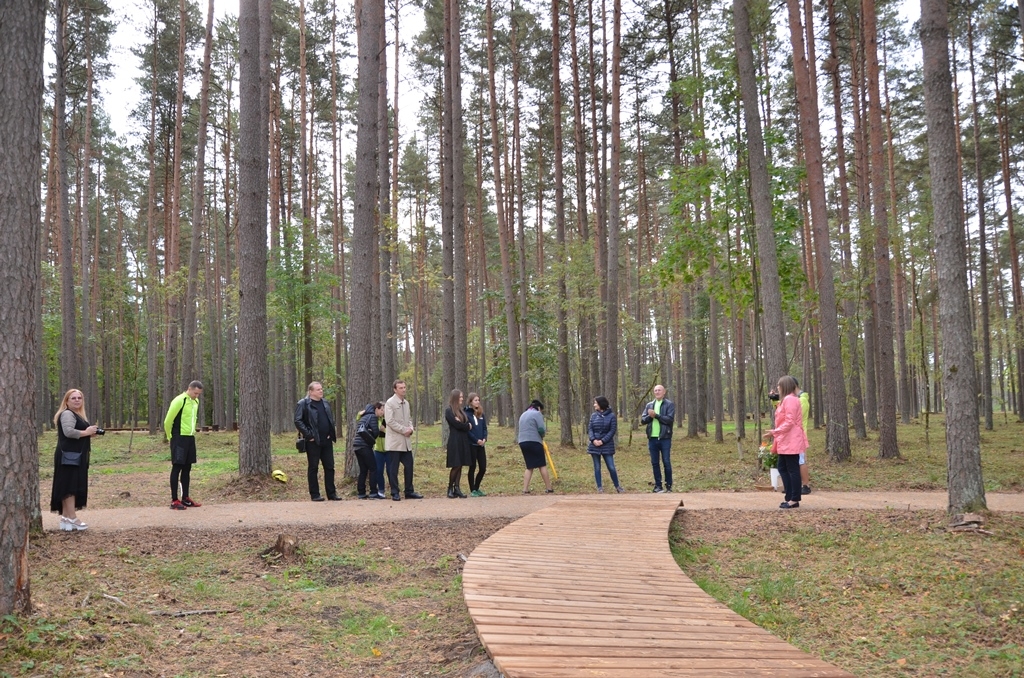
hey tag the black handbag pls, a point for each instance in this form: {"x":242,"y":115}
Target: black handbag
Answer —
{"x":300,"y":444}
{"x":68,"y":458}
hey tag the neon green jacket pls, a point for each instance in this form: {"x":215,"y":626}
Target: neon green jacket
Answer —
{"x":181,"y":416}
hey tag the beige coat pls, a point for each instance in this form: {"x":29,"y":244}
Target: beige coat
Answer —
{"x":399,"y":420}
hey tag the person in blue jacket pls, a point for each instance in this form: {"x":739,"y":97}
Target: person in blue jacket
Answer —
{"x":477,"y":440}
{"x":601,"y":436}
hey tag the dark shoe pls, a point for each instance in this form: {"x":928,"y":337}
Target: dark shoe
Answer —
{"x":364,"y":496}
{"x":549,"y":491}
{"x":787,"y":505}
{"x":334,"y":497}
{"x":177,"y":505}
{"x":658,"y":490}
{"x":805,"y":490}
{"x":395,"y":497}
{"x":458,"y":492}
{"x":318,"y":498}
{"x":413,"y":495}
{"x":451,"y":493}
{"x":191,"y":503}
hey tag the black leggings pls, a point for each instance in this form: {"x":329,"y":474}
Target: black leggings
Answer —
{"x":477,"y":459}
{"x":184,"y":471}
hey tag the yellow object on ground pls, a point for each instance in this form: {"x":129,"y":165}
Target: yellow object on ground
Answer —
{"x":551,"y":462}
{"x":278,"y":474}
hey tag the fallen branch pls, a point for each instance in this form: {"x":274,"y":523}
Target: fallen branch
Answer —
{"x":115,"y":599}
{"x":187,"y":613}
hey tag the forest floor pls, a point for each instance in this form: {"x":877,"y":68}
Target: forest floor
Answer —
{"x":867,"y":575}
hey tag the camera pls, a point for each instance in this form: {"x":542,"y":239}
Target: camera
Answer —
{"x":100,"y":431}
{"x":773,"y":396}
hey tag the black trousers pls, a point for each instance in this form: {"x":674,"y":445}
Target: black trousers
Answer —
{"x":405,"y":458}
{"x":317,"y":455}
{"x":367,"y":469}
{"x":789,"y":469}
{"x":182,"y":472}
{"x":477,"y":460}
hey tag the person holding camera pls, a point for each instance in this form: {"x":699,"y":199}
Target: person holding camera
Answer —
{"x":368,"y":432}
{"x":659,"y":416}
{"x":180,"y":429}
{"x":71,"y":460}
{"x":790,"y":440}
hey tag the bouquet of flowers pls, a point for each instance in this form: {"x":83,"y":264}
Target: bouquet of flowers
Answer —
{"x":766,"y":457}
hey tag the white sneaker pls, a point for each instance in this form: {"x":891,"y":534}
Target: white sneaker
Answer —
{"x":69,"y":525}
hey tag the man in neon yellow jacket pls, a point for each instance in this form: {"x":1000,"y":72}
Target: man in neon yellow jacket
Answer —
{"x":180,"y":429}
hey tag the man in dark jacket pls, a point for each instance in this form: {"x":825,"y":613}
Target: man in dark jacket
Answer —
{"x":658,"y":416}
{"x":315,"y":424}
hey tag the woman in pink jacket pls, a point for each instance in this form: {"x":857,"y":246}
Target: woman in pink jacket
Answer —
{"x":790,"y":440}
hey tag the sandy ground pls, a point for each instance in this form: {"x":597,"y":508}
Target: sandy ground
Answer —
{"x":365,"y":512}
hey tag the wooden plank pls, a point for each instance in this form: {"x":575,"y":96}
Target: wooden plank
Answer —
{"x":553,"y":596}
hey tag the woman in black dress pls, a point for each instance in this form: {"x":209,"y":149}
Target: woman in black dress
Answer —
{"x":459,"y":453}
{"x":71,"y":461}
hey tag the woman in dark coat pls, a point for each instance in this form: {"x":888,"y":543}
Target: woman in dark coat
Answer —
{"x":601,"y":436}
{"x":71,"y":461}
{"x":459,"y":454}
{"x":477,"y":440}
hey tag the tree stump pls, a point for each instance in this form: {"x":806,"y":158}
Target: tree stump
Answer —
{"x":286,"y":548}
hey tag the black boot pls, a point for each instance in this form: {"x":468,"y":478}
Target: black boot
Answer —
{"x":451,"y":492}
{"x":458,"y":492}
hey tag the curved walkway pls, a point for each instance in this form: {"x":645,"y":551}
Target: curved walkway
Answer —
{"x":588,"y":587}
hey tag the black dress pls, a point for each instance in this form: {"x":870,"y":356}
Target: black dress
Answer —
{"x":71,"y":479}
{"x":459,"y":453}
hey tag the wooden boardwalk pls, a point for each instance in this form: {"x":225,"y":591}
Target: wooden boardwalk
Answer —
{"x":588,"y":587}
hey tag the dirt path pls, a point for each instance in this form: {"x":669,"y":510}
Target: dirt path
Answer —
{"x":266,"y":514}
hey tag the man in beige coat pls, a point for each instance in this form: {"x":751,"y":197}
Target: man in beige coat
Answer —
{"x":398,"y":441}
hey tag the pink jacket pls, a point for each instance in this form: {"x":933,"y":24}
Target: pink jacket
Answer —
{"x":789,"y":434}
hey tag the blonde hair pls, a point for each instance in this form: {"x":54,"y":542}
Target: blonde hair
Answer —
{"x":469,"y":400}
{"x":64,"y":406}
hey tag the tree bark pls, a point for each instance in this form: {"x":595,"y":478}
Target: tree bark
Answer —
{"x":837,"y":435}
{"x":253,"y":152}
{"x":562,"y":347}
{"x":760,"y":193}
{"x":518,"y":401}
{"x":611,"y":363}
{"x":22,"y":38}
{"x":70,"y":374}
{"x":963,"y":443}
{"x":188,"y":342}
{"x":888,"y":446}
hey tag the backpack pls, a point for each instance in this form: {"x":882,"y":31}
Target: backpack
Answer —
{"x":363,"y":430}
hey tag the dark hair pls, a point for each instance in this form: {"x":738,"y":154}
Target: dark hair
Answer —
{"x":536,"y":404}
{"x":602,"y":402}
{"x":787,"y":386}
{"x":453,"y":403}
{"x":395,"y":384}
{"x":196,"y":384}
{"x":377,"y":405}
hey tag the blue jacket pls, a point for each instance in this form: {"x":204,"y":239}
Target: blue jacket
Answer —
{"x":666,"y":418}
{"x":603,"y":426}
{"x":478,"y":427}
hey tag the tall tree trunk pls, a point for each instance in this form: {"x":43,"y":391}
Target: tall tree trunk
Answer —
{"x":388,"y":226}
{"x":88,"y":355}
{"x":448,"y":338}
{"x":21,"y":110}
{"x":253,"y":152}
{"x":172,"y":239}
{"x":562,"y":347}
{"x":986,"y":338}
{"x":760,"y":193}
{"x":611,"y":363}
{"x":849,"y":305}
{"x":837,"y":435}
{"x":70,"y":375}
{"x":369,"y":24}
{"x":518,"y":401}
{"x":188,"y":343}
{"x":152,"y":273}
{"x":963,"y":443}
{"x":458,"y":199}
{"x":888,"y":446}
